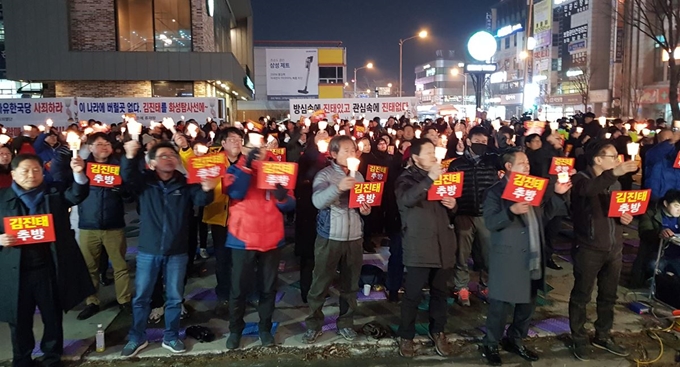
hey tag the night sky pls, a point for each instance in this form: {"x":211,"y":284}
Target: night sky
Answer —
{"x":371,"y":29}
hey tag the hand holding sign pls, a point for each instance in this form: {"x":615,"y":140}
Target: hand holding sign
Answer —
{"x":562,"y":187}
{"x":626,"y":219}
{"x":365,"y":209}
{"x":209,"y":184}
{"x":346,"y":183}
{"x":449,"y":202}
{"x":520,"y":208}
{"x":7,"y":240}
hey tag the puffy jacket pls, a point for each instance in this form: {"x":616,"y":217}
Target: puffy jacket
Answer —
{"x":104,"y":208}
{"x":217,"y":212}
{"x":335,"y":221}
{"x":164,"y":208}
{"x":660,"y":176}
{"x":478,"y":177}
{"x":255,"y":216}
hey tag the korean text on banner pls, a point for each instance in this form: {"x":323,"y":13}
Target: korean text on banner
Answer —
{"x":271,"y":173}
{"x":366,"y":192}
{"x":31,"y":229}
{"x":676,"y":164}
{"x":110,"y":110}
{"x":103,"y":175}
{"x":355,"y":108}
{"x":525,"y":188}
{"x":561,"y":164}
{"x":376,"y":173}
{"x":633,"y":202}
{"x":447,"y":185}
{"x":15,"y":113}
{"x":279,"y":153}
{"x":292,"y":73}
{"x":205,"y":167}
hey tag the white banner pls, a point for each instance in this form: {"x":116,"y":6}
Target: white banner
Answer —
{"x":292,"y":73}
{"x":348,"y":108}
{"x":110,"y":110}
{"x":34,"y":111}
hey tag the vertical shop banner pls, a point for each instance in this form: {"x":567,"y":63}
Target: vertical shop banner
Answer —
{"x":292,"y":73}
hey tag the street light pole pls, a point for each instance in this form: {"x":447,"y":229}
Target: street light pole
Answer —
{"x":421,"y":34}
{"x":367,"y":66}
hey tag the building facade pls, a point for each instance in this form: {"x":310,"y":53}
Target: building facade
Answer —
{"x":441,"y":84}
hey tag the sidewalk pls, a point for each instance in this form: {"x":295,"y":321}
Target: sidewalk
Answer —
{"x":465,"y":324}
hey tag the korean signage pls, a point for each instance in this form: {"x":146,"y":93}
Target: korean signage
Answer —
{"x":109,"y":110}
{"x":205,"y":167}
{"x":561,"y":164}
{"x":376,"y":173}
{"x":574,"y":27}
{"x":349,"y":108}
{"x":31,"y":229}
{"x":14,"y":113}
{"x":542,"y":17}
{"x":366,"y":192}
{"x":103,"y":175}
{"x":292,"y":73}
{"x":447,"y":185}
{"x":633,"y":202}
{"x":525,"y":188}
{"x":279,"y":153}
{"x":269,"y":174}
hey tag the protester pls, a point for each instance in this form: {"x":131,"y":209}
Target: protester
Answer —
{"x":5,"y":167}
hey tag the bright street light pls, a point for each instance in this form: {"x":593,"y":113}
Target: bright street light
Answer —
{"x":421,"y":34}
{"x":523,"y":55}
{"x":368,"y":66}
{"x":455,"y":71}
{"x":389,"y":85}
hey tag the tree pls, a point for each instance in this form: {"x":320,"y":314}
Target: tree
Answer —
{"x":581,"y":82}
{"x":660,"y":21}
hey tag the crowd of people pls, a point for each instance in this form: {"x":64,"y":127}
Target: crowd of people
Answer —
{"x":430,"y":241}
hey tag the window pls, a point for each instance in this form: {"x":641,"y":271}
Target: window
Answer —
{"x":158,"y":25}
{"x":331,"y":75}
{"x":172,"y":89}
{"x":507,"y":43}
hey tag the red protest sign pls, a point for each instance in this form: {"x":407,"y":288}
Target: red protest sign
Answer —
{"x":534,"y":127}
{"x":31,"y":229}
{"x":676,"y":164}
{"x":279,"y":153}
{"x":633,"y":202}
{"x":270,"y":173}
{"x":103,"y":175}
{"x":446,"y":163}
{"x":561,"y":164}
{"x":525,"y":188}
{"x":204,"y":167}
{"x":447,"y":185}
{"x":366,"y":192}
{"x":376,"y":173}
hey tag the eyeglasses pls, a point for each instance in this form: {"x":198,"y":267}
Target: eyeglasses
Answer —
{"x":166,"y":157}
{"x":233,"y":140}
{"x":102,"y":145}
{"x":608,"y":156}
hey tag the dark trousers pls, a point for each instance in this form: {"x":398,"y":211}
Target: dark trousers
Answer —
{"x":197,"y":230}
{"x":552,"y":231}
{"x":222,"y":262}
{"x":37,"y":288}
{"x":330,"y":255}
{"x":103,"y":263}
{"x":306,"y":275}
{"x":591,"y":265}
{"x":415,"y":279}
{"x":497,"y":316}
{"x":642,"y":270}
{"x":264,"y":268}
{"x":473,"y":239}
{"x":395,"y":265}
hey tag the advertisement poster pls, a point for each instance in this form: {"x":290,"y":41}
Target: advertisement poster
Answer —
{"x":292,"y":73}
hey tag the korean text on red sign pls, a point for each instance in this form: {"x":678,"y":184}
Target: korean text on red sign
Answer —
{"x":561,"y":164}
{"x":271,"y":173}
{"x":30,"y":229}
{"x":633,"y":202}
{"x":104,"y":175}
{"x":376,"y":173}
{"x":446,"y":163}
{"x":366,"y":192}
{"x":279,"y":153}
{"x":205,"y":167}
{"x":676,"y":164}
{"x":525,"y":188}
{"x":447,"y":185}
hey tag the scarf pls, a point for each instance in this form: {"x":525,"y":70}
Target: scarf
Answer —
{"x":31,"y":198}
{"x":534,"y":244}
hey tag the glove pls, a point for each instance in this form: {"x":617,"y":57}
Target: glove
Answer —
{"x":281,"y":193}
{"x":253,"y":155}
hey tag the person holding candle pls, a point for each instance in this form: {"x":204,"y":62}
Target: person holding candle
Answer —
{"x":339,"y":239}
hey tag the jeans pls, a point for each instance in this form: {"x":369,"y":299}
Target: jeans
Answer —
{"x":416,"y":278}
{"x":497,"y":316}
{"x":148,"y":268}
{"x":395,"y":265}
{"x":473,"y":238}
{"x":222,"y":262}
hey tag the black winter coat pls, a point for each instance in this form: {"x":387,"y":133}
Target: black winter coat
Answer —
{"x":478,"y":177}
{"x":311,"y":162}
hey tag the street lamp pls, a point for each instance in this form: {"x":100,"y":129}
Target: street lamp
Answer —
{"x":368,"y":66}
{"x":421,"y":34}
{"x":523,"y":55}
{"x":455,"y":71}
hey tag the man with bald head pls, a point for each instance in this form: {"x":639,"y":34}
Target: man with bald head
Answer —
{"x":660,"y":176}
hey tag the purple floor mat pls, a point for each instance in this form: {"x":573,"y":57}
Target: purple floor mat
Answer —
{"x":562,"y":246}
{"x":156,"y":335}
{"x":531,"y":333}
{"x":71,"y":347}
{"x":132,"y":250}
{"x":253,"y":329}
{"x":557,"y":325}
{"x":629,"y":258}
{"x":329,"y":323}
{"x":373,"y":296}
{"x":202,"y":294}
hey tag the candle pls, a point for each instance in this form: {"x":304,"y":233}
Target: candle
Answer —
{"x":626,"y":126}
{"x":342,"y":132}
{"x":633,"y":149}
{"x":336,"y":127}
{"x":554,"y":126}
{"x":396,"y":144}
{"x":41,"y":128}
{"x":73,"y":141}
{"x":323,"y":125}
{"x":459,"y":135}
{"x":308,"y":122}
{"x":563,"y":177}
{"x":579,"y":129}
{"x":4,"y":139}
{"x":323,"y":146}
{"x":603,"y":121}
{"x":201,"y":149}
{"x":250,"y":126}
{"x":270,"y":139}
{"x":88,"y":131}
{"x":608,"y":135}
{"x":135,"y":128}
{"x":361,"y":146}
{"x":496,"y":124}
{"x":182,"y":117}
{"x":370,"y":133}
{"x":49,"y":122}
{"x":212,"y":135}
{"x":255,"y":139}
{"x":352,"y":122}
{"x":27,"y":128}
{"x":352,"y":165}
{"x":168,"y":123}
{"x":153,"y":124}
{"x":193,"y":130}
{"x":418,"y":132}
{"x":440,"y":153}
{"x":391,"y":131}
{"x":645,"y":132}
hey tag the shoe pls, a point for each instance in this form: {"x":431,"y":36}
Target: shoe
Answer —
{"x":393,"y":297}
{"x":492,"y":355}
{"x":234,"y":341}
{"x":267,"y":339}
{"x":406,"y":348}
{"x":581,"y":351}
{"x":132,"y":348}
{"x":175,"y":346}
{"x":552,"y":264}
{"x":441,"y":344}
{"x":520,"y":350}
{"x":204,"y":253}
{"x":222,"y":309}
{"x":464,"y":297}
{"x":610,"y":346}
{"x":347,"y":333}
{"x":104,"y":280}
{"x":89,"y":311}
{"x":126,"y":308}
{"x":156,"y":315}
{"x":310,"y":336}
{"x":184,"y":314}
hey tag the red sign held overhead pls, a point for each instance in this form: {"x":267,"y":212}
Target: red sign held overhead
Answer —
{"x":103,"y":175}
{"x":31,"y":229}
{"x":633,"y":202}
{"x":525,"y":188}
{"x":271,"y":173}
{"x":205,"y":167}
{"x":376,"y":173}
{"x":279,"y":153}
{"x":561,"y":164}
{"x":366,"y":192}
{"x":447,"y":185}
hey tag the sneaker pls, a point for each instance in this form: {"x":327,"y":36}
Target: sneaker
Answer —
{"x":581,"y":351}
{"x":464,"y":297}
{"x":406,"y":348}
{"x":347,"y":333}
{"x":156,"y":315}
{"x":310,"y":336}
{"x":184,"y":314}
{"x":132,"y":348}
{"x":204,"y":253}
{"x":610,"y":346}
{"x":267,"y":339}
{"x":234,"y":341}
{"x":441,"y":344}
{"x":89,"y":311}
{"x":175,"y":346}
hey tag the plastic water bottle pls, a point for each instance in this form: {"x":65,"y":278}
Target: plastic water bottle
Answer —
{"x":100,"y":339}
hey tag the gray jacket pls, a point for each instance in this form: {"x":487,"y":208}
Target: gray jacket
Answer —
{"x":335,"y":221}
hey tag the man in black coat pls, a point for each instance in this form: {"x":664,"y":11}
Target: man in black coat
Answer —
{"x":516,"y":260}
{"x":429,"y":247}
{"x":51,"y":276}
